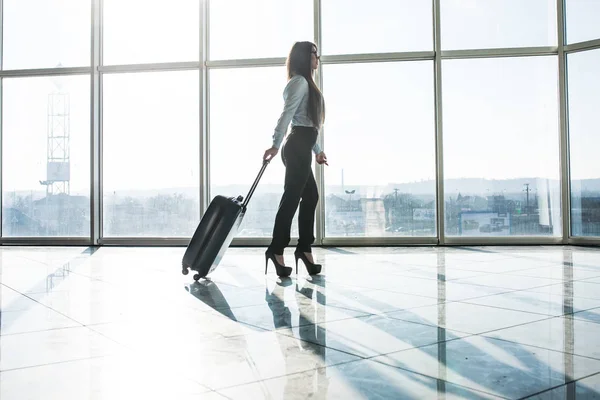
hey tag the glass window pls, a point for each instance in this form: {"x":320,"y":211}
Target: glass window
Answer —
{"x":46,"y":156}
{"x":46,"y":33}
{"x":582,"y":20}
{"x":380,"y":26}
{"x":245,"y":105}
{"x":140,"y":31}
{"x":483,"y":24}
{"x":380,"y":143}
{"x":501,"y":147}
{"x":151,"y":154}
{"x":584,"y":134}
{"x":258,"y":28}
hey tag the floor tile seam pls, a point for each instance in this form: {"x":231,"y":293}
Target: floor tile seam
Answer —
{"x":384,"y":313}
{"x":260,"y":330}
{"x":292,"y":336}
{"x":469,"y":301}
{"x":114,"y":341}
{"x":107,"y":356}
{"x":438,"y":379}
{"x":217,"y":389}
{"x":573,"y":313}
{"x":589,"y":309}
{"x":559,"y":386}
{"x":453,"y":301}
{"x":364,"y":315}
{"x":521,"y":290}
{"x":81,"y":254}
{"x":339,"y":307}
{"x":558,"y":280}
{"x":475,"y":250}
{"x":482,"y":333}
{"x":586,"y":320}
{"x":509,"y":273}
{"x":216,"y":392}
{"x":466,"y":335}
{"x":516,"y":341}
{"x":586,"y":281}
{"x":510,"y":309}
{"x":530,"y":290}
{"x":46,"y":306}
{"x":554,"y":267}
{"x":92,"y":278}
{"x":285,"y":375}
{"x":56,"y":363}
{"x":41,"y":330}
{"x":420,"y":346}
{"x":438,"y":279}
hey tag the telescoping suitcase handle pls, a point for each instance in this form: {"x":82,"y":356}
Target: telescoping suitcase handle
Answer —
{"x":255,"y":184}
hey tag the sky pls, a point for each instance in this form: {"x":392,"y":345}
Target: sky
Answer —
{"x":500,"y":116}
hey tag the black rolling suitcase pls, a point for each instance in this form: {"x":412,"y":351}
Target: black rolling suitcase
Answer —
{"x":216,"y":230}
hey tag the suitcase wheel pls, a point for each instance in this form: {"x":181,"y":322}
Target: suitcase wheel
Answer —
{"x":196,"y":277}
{"x":185,"y":271}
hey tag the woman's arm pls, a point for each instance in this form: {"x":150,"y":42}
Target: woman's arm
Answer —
{"x":294,"y":91}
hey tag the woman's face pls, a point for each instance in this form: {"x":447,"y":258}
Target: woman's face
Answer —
{"x":314,"y":58}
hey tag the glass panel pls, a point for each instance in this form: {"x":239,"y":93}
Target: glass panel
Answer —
{"x":258,"y":28}
{"x":584,"y":133}
{"x":501,"y":147}
{"x":151,"y":147}
{"x":237,"y":143}
{"x":140,"y":31}
{"x":380,"y":143}
{"x":382,"y":26}
{"x":582,"y":20}
{"x":486,"y":24}
{"x":46,"y":156}
{"x":46,"y":33}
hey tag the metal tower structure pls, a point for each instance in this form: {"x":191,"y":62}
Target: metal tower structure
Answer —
{"x":58,"y":164}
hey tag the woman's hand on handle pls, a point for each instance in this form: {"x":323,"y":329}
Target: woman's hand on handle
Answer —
{"x":270,"y":153}
{"x":321,"y":158}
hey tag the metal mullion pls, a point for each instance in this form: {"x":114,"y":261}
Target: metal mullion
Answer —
{"x":379,"y":241}
{"x":96,"y":200}
{"x":582,"y":46}
{"x":1,"y":153}
{"x":585,"y":240}
{"x":204,"y":167}
{"x":377,"y":57}
{"x":45,"y":241}
{"x":22,"y":73}
{"x":501,"y":52}
{"x":502,"y":240}
{"x":1,"y":115}
{"x":247,"y":63}
{"x":320,"y":170}
{"x":563,"y":125}
{"x":143,"y":241}
{"x":439,"y":134}
{"x":168,"y":66}
{"x":205,"y":138}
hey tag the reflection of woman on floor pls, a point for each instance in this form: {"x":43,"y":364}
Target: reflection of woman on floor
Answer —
{"x":314,"y":383}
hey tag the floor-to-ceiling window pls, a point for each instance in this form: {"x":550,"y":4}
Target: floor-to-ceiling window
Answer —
{"x":46,"y":119}
{"x":132,"y":116}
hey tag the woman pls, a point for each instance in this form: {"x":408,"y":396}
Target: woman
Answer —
{"x":305,"y":108}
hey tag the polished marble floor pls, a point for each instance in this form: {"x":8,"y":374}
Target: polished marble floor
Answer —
{"x":378,"y":323}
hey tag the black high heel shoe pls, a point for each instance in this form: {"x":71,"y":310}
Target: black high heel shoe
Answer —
{"x":313,"y":269}
{"x":282,"y":270}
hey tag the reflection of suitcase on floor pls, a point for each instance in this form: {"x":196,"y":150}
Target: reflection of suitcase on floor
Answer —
{"x":216,"y":230}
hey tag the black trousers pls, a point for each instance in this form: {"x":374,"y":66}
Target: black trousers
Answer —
{"x":300,"y":188}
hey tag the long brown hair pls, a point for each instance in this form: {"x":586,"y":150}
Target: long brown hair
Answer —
{"x":299,"y":63}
